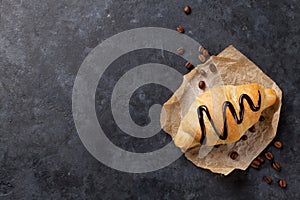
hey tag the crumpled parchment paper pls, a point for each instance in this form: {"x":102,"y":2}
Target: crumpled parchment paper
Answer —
{"x":233,"y":68}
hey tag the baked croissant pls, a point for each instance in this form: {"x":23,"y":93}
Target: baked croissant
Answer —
{"x":222,"y":114}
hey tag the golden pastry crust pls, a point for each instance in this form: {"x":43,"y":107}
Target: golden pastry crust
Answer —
{"x":189,"y":132}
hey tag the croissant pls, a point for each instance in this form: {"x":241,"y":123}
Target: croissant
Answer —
{"x":222,"y":114}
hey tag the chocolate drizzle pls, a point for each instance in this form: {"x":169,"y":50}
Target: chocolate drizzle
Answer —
{"x":226,"y":104}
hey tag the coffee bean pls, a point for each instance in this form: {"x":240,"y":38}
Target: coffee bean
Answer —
{"x":213,"y":68}
{"x":252,"y":129}
{"x":202,"y":58}
{"x":278,"y":144}
{"x":187,"y":10}
{"x":261,"y":118}
{"x":202,"y":72}
{"x":180,"y":29}
{"x":180,"y":51}
{"x":189,"y":65}
{"x":269,"y":156}
{"x":256,"y":162}
{"x":254,"y":166}
{"x":234,"y":155}
{"x":205,"y":52}
{"x":282,"y":183}
{"x":267,"y":179}
{"x":201,"y":85}
{"x":260,"y":159}
{"x":200,"y":49}
{"x":244,"y":137}
{"x":276,"y":166}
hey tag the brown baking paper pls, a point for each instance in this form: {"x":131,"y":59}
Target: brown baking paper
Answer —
{"x":233,"y":68}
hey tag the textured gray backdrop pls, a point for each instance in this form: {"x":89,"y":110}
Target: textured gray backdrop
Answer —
{"x":42,"y":45}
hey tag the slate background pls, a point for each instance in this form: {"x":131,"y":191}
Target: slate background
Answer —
{"x":43,"y":43}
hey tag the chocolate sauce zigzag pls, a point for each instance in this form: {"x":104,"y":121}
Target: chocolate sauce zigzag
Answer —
{"x":226,"y":104}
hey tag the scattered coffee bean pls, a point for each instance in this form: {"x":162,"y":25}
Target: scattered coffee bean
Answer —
{"x":202,"y":72}
{"x":200,"y":49}
{"x":267,"y":179}
{"x":256,"y":162}
{"x":244,"y":137}
{"x":205,"y":52}
{"x":252,"y":129}
{"x":261,"y":118}
{"x":180,"y":29}
{"x":269,"y":155}
{"x":180,"y":51}
{"x":189,"y":65}
{"x":187,"y":10}
{"x":260,"y":159}
{"x":278,"y":144}
{"x":276,"y":166}
{"x":282,"y":183}
{"x":254,"y":166}
{"x":234,"y":155}
{"x":213,"y":68}
{"x":202,"y":85}
{"x":202,"y":58}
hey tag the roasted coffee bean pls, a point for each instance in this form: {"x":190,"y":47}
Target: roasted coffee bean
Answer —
{"x":200,"y":49}
{"x":180,"y":29}
{"x":180,"y":51}
{"x":202,"y":85}
{"x":189,"y":65}
{"x":202,"y":72}
{"x":256,"y":162}
{"x":244,"y":137}
{"x":260,"y":159}
{"x":187,"y":10}
{"x":205,"y":52}
{"x":252,"y":129}
{"x":213,"y":68}
{"x":202,"y":58}
{"x":276,"y":166}
{"x":282,"y":183}
{"x":254,"y":166}
{"x":278,"y":144}
{"x":261,"y":118}
{"x":269,"y":156}
{"x":234,"y":155}
{"x":267,"y":179}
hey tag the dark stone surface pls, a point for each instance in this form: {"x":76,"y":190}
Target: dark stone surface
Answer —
{"x":43,"y":43}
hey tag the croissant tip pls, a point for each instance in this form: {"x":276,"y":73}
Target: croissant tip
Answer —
{"x":270,"y":97}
